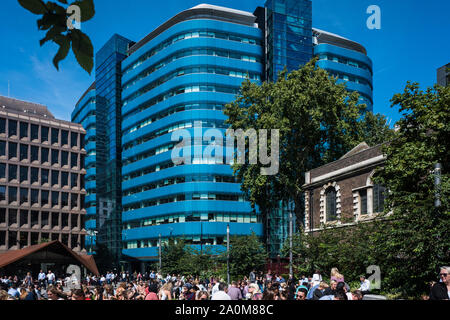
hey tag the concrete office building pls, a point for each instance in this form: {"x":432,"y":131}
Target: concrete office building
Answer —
{"x":183,"y":72}
{"x":42,"y":173}
{"x":443,"y":75}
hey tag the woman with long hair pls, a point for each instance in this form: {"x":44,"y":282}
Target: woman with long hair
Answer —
{"x":336,"y":275}
{"x":165,"y":293}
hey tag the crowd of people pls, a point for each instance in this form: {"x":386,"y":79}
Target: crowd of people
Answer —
{"x":153,"y":286}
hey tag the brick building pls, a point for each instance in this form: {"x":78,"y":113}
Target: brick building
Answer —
{"x":342,"y":192}
{"x":41,"y":177}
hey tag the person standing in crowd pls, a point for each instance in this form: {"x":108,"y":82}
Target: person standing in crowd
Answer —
{"x":221,"y":294}
{"x":234,"y":292}
{"x":254,"y":291}
{"x":365,"y":285}
{"x":252,"y":276}
{"x":41,"y":279}
{"x":441,"y":290}
{"x":51,"y":278}
{"x":316,"y":279}
{"x":336,"y":275}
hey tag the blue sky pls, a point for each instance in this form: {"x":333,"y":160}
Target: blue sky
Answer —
{"x":412,"y":43}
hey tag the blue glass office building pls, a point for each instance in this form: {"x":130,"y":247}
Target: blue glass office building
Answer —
{"x":85,"y":114}
{"x":180,"y":76}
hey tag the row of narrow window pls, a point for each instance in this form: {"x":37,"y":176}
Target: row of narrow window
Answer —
{"x":34,"y":132}
{"x":189,"y":35}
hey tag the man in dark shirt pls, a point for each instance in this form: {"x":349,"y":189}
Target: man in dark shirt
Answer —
{"x":441,"y":290}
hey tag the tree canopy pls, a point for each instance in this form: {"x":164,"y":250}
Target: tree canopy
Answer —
{"x":55,"y":19}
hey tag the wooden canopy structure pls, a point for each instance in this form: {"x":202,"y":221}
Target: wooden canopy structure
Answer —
{"x":51,"y":252}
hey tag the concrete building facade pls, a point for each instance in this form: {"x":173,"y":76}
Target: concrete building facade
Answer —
{"x":42,"y":173}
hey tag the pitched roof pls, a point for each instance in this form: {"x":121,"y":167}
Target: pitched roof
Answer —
{"x":13,"y":256}
{"x":25,"y":107}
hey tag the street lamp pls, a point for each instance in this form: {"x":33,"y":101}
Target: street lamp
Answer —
{"x":290,"y":245}
{"x":228,"y":254}
{"x":160,"y":254}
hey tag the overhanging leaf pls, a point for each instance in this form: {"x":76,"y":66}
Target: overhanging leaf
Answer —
{"x":34,"y":6}
{"x":87,"y":9}
{"x":83,"y":50}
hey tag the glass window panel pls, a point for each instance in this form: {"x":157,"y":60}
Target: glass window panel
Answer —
{"x":55,"y":157}
{"x":64,"y":221}
{"x":64,"y":199}
{"x":12,"y":194}
{"x":363,"y":201}
{"x":74,"y":180}
{"x":55,"y":136}
{"x":23,"y":130}
{"x":12,"y":216}
{"x":23,"y":152}
{"x":64,"y":179}
{"x":12,"y":238}
{"x":23,"y":174}
{"x":74,"y":160}
{"x":34,"y":132}
{"x":64,"y":158}
{"x":12,"y":128}
{"x":44,"y":155}
{"x":34,"y":153}
{"x":2,"y":193}
{"x":12,"y":150}
{"x":74,"y":200}
{"x":34,"y":196}
{"x":55,"y":177}
{"x":55,"y":198}
{"x":12,"y":172}
{"x":2,"y":215}
{"x":34,"y":238}
{"x":44,"y":134}
{"x":55,"y":219}
{"x":331,"y":204}
{"x":2,"y":148}
{"x":23,"y":239}
{"x":74,"y":221}
{"x":44,"y":221}
{"x":23,"y":218}
{"x":45,"y":176}
{"x":23,"y":196}
{"x":73,"y":139}
{"x":45,"y":197}
{"x":34,"y":175}
{"x":2,"y":125}
{"x":55,"y":236}
{"x":64,"y":137}
{"x":2,"y":170}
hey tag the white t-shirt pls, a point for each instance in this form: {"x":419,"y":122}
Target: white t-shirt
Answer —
{"x":50,"y":277}
{"x":215,"y":288}
{"x":220,"y":295}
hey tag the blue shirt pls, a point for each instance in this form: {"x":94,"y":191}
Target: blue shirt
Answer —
{"x":327,"y":298}
{"x":14,"y":293}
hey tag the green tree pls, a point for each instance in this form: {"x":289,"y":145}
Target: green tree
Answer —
{"x":54,"y":20}
{"x":246,"y":253}
{"x":319,"y":121}
{"x":416,"y":240}
{"x":375,"y":130}
{"x":175,"y":257}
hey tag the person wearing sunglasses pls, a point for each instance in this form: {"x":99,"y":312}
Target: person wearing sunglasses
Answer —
{"x":441,"y":290}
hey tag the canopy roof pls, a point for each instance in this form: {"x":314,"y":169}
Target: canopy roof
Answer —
{"x":50,"y":252}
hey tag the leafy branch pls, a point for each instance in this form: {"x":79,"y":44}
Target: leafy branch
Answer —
{"x":55,"y":20}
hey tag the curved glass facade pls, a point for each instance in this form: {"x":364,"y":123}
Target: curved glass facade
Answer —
{"x":85,"y":114}
{"x":182,"y":79}
{"x":350,"y":66}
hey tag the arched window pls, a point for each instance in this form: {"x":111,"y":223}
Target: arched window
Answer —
{"x":378,"y":198}
{"x":331,"y":209}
